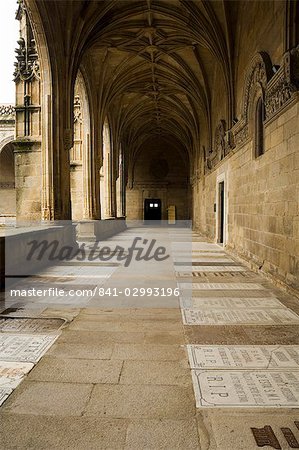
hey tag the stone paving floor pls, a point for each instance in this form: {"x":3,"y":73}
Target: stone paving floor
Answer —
{"x":118,"y":376}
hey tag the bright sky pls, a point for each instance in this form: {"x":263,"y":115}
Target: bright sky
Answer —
{"x":9,"y":34}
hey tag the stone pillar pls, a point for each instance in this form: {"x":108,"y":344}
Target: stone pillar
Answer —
{"x":28,"y":170}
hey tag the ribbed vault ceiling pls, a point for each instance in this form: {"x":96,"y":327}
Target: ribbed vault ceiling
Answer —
{"x":151,"y":62}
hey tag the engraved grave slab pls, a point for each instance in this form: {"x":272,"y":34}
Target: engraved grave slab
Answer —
{"x":24,"y":348}
{"x":230,"y":302}
{"x":243,"y":356}
{"x":238,"y":316}
{"x":4,"y":393}
{"x":11,"y":374}
{"x":220,"y":286}
{"x":246,"y":389}
{"x":30,"y":325}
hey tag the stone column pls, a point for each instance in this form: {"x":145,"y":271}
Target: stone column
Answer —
{"x":28,"y":170}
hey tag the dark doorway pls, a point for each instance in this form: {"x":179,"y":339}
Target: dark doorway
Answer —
{"x":152,"y":209}
{"x":221,"y":212}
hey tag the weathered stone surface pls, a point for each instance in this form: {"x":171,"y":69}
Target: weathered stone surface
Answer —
{"x":148,"y":352}
{"x":48,"y":399}
{"x":61,"y":432}
{"x":164,"y":373}
{"x":162,"y":434}
{"x":140,"y":402}
{"x":76,"y":370}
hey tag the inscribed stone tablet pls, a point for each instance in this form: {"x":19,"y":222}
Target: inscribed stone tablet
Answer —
{"x":26,"y":348}
{"x":231,"y":303}
{"x":246,"y":389}
{"x":22,"y":325}
{"x":243,"y":356}
{"x":220,"y":286}
{"x":238,"y":316}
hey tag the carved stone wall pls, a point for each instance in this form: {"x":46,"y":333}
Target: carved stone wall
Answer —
{"x":262,"y":193}
{"x":277,"y":86}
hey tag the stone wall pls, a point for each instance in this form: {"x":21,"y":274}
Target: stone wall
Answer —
{"x":160,"y":172}
{"x":7,"y":182}
{"x":262,"y":200}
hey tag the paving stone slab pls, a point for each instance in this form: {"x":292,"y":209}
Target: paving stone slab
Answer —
{"x":196,"y":265}
{"x":141,"y":402}
{"x":200,"y":259}
{"x":162,"y":434}
{"x":230,"y":303}
{"x":76,"y":370}
{"x":100,"y":337}
{"x":243,"y":356}
{"x":24,"y":348}
{"x":270,"y":334}
{"x":238,"y":316}
{"x":221,"y":335}
{"x":166,"y":373}
{"x":80,"y":350}
{"x":48,"y":399}
{"x":30,"y":325}
{"x":246,"y":389}
{"x":148,"y":352}
{"x":61,"y":433}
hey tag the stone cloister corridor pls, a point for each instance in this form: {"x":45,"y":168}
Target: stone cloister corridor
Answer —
{"x":149,"y":226}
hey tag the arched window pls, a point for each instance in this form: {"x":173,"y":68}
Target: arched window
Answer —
{"x":259,"y":128}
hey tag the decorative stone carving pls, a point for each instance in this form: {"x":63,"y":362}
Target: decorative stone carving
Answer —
{"x":258,"y":76}
{"x":241,"y":134}
{"x":284,"y":83}
{"x":221,"y":146}
{"x":27,"y":64}
{"x":7,"y":112}
{"x":77,"y":109}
